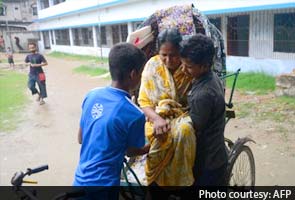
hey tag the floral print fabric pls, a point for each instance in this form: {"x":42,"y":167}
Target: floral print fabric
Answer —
{"x":169,"y":162}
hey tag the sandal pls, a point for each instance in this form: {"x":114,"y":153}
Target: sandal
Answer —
{"x":42,"y":101}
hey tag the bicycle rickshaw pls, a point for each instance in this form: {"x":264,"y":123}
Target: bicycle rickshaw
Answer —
{"x":241,"y":165}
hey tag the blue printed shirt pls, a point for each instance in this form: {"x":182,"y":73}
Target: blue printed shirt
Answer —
{"x":110,"y":124}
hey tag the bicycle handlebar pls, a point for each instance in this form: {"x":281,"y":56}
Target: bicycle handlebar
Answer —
{"x":17,"y":179}
{"x":37,"y":169}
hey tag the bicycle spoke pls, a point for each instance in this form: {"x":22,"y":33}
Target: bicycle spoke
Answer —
{"x":241,"y":174}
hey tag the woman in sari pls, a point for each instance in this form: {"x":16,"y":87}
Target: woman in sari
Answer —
{"x":169,"y":129}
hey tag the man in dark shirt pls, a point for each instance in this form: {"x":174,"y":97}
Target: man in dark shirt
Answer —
{"x":17,"y":43}
{"x":207,"y":111}
{"x":36,"y":75}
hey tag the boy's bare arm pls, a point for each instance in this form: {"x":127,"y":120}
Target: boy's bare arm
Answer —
{"x":80,"y":136}
{"x":132,"y":151}
{"x":39,"y":65}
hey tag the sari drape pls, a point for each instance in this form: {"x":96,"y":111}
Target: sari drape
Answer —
{"x":169,"y":162}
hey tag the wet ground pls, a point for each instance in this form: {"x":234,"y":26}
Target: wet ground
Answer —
{"x":48,"y":133}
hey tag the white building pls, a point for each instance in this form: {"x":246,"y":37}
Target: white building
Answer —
{"x":258,"y":34}
{"x":16,"y":16}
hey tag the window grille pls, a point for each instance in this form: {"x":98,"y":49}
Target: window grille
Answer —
{"x":34,"y":9}
{"x":58,"y":1}
{"x":238,"y":35}
{"x":101,"y":35}
{"x":119,"y":33}
{"x":52,"y":38}
{"x":83,"y":36}
{"x":284,"y":32}
{"x":62,"y":37}
{"x":2,"y":10}
{"x":44,"y":4}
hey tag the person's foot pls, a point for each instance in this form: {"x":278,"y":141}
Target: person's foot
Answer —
{"x":42,"y":101}
{"x":38,"y":97}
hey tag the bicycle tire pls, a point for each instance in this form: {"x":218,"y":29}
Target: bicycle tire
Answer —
{"x":235,"y":156}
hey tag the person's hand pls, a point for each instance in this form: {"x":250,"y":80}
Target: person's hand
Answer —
{"x":161,"y":127}
{"x":146,"y":148}
{"x":34,"y":65}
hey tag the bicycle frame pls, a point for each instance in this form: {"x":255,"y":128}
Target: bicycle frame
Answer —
{"x":18,"y":179}
{"x":231,"y":114}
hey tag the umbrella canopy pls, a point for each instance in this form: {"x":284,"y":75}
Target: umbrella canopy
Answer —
{"x":189,"y":21}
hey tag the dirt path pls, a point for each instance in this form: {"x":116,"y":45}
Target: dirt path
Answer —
{"x":48,"y":134}
{"x":274,"y":150}
{"x":274,"y":156}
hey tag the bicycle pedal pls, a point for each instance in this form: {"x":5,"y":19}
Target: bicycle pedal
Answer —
{"x":230,"y":114}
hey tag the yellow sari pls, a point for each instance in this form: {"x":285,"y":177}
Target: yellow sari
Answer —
{"x":169,"y":163}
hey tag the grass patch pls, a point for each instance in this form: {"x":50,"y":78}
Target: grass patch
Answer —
{"x":259,"y":83}
{"x":90,"y":70}
{"x":69,"y":56}
{"x":288,"y":101}
{"x":13,"y":98}
{"x":3,"y":61}
{"x":244,"y":109}
{"x":278,"y":110}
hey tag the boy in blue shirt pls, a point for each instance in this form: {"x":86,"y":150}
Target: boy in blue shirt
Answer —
{"x":111,"y":124}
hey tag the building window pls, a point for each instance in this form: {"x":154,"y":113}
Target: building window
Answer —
{"x":34,"y":9}
{"x":2,"y":10}
{"x":101,"y":35}
{"x":115,"y":34}
{"x":46,"y":39}
{"x":87,"y":36}
{"x":135,"y":25}
{"x":216,"y":22}
{"x":44,"y":4}
{"x":52,"y":39}
{"x":83,"y":36}
{"x":238,"y":35}
{"x":284,"y":32}
{"x":76,"y":38}
{"x":58,"y":1}
{"x":119,"y":33}
{"x":124,"y":32}
{"x":62,"y":37}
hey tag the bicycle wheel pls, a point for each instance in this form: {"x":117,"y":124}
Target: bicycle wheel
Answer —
{"x":241,"y":170}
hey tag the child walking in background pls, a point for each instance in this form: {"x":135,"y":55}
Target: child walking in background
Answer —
{"x":36,"y":75}
{"x":9,"y":56}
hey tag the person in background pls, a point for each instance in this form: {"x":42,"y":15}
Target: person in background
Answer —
{"x":17,"y":43}
{"x":9,"y":56}
{"x":2,"y":44}
{"x":111,"y":125}
{"x":207,"y":111}
{"x":36,"y":61}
